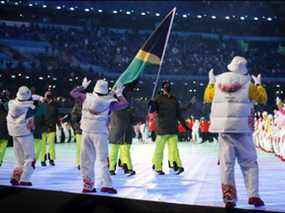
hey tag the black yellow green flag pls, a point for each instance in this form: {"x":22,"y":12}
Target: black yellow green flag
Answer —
{"x":151,"y":53}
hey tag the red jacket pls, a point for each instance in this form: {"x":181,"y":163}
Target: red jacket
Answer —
{"x":181,"y":129}
{"x":152,"y":121}
{"x":204,"y":126}
{"x":190,"y":123}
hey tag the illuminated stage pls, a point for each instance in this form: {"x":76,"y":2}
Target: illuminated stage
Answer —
{"x":198,"y":186}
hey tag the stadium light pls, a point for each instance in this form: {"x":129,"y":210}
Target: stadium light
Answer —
{"x":100,"y":11}
{"x":13,"y":76}
{"x":16,"y":3}
{"x":213,"y":17}
{"x":115,"y":11}
{"x":30,"y":5}
{"x":58,"y":7}
{"x":44,"y":6}
{"x":41,"y":78}
{"x":86,"y":10}
{"x":72,"y":8}
{"x":242,"y":18}
{"x":255,"y":18}
{"x":157,"y":14}
{"x":27,"y":77}
{"x":269,"y":19}
{"x":143,"y":13}
{"x":227,"y":17}
{"x":128,"y":12}
{"x":2,"y":2}
{"x":199,"y":16}
{"x":184,"y":16}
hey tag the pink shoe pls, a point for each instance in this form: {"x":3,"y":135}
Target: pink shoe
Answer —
{"x":23,"y":183}
{"x":109,"y":190}
{"x":256,"y":201}
{"x":89,"y":191}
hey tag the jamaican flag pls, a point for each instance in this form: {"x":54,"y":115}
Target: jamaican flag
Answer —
{"x":151,"y":52}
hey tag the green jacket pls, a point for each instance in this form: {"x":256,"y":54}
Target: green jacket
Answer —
{"x":168,"y":114}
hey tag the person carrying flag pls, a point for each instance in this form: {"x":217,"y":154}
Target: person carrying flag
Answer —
{"x":168,"y":114}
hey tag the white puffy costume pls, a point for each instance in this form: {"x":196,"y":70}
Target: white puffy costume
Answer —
{"x":20,"y":126}
{"x":96,"y":111}
{"x":232,"y":95}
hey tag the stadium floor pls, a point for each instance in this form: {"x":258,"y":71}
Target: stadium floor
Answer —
{"x":199,"y":184}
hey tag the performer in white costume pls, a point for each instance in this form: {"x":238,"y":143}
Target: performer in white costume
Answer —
{"x":232,"y":95}
{"x":20,"y":125}
{"x":96,"y":109}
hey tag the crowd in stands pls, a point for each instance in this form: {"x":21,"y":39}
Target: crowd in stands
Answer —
{"x":186,"y":55}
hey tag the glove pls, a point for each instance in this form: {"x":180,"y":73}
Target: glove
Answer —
{"x":38,"y":98}
{"x":119,"y":89}
{"x":257,"y":79}
{"x":212,"y":78}
{"x":85,"y":83}
{"x":278,"y":100}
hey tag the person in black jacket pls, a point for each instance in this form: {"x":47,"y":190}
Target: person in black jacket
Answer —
{"x":48,"y":135}
{"x":120,"y":138}
{"x":168,"y":114}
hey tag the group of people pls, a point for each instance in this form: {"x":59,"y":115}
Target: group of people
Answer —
{"x":106,"y":117}
{"x":269,"y":131}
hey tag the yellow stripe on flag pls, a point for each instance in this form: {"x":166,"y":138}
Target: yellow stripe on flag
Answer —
{"x":148,"y":57}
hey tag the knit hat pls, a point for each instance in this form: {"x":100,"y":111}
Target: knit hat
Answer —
{"x":24,"y":93}
{"x":101,"y":87}
{"x":238,"y":65}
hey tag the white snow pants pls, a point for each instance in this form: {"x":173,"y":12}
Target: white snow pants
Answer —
{"x":94,"y":147}
{"x":24,"y":152}
{"x":238,"y":146}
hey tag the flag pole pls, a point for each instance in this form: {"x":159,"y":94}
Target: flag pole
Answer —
{"x":163,"y":53}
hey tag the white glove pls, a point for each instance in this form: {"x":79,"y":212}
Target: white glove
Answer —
{"x":85,"y":83}
{"x":278,"y":100}
{"x":256,"y":79}
{"x":212,"y":78}
{"x":119,"y":89}
{"x":37,"y":98}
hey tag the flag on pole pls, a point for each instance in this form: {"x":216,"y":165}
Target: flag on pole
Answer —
{"x":151,"y":53}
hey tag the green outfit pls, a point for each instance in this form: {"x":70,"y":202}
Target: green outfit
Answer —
{"x":49,"y":131}
{"x":173,"y":153}
{"x":168,"y":115}
{"x":75,"y":122}
{"x":39,"y":123}
{"x":78,"y":149}
{"x":48,"y":138}
{"x":3,"y":147}
{"x":3,"y":129}
{"x":120,"y":138}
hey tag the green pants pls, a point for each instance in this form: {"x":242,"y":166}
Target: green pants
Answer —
{"x":37,"y":146}
{"x":173,"y":152}
{"x":78,"y":149}
{"x":3,"y":147}
{"x":125,"y":156}
{"x":50,"y":139}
